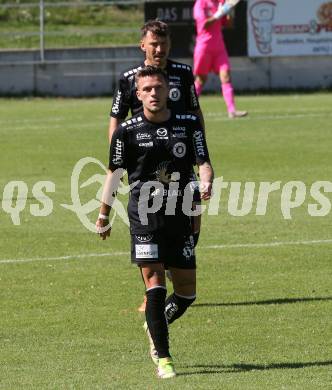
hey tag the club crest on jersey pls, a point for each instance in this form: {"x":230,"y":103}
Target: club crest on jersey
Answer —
{"x":162,"y":133}
{"x":179,"y":149}
{"x":174,"y":94}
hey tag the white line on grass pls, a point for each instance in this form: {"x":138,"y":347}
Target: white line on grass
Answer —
{"x":223,"y":117}
{"x":55,"y":122}
{"x":114,"y":254}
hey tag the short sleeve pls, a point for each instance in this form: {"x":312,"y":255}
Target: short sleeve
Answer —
{"x":117,"y":156}
{"x":201,"y":153}
{"x":192,"y":104}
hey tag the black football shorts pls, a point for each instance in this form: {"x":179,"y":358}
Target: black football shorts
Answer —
{"x":172,"y":251}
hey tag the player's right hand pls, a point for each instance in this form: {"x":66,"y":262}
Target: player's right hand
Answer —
{"x":103,"y":228}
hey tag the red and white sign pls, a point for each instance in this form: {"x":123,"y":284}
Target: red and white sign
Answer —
{"x":289,"y":27}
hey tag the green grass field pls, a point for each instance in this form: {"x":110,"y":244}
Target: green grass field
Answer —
{"x":262,"y":319}
{"x":73,"y":25}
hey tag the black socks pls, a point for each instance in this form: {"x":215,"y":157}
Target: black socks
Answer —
{"x":175,"y":306}
{"x":155,"y":318}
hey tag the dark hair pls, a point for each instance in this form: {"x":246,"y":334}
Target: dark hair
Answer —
{"x":157,"y":27}
{"x":150,"y":71}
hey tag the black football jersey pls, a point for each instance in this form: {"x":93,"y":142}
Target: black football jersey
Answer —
{"x":158,"y":158}
{"x":182,"y":93}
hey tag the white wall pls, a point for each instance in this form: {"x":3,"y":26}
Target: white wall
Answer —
{"x":93,"y":72}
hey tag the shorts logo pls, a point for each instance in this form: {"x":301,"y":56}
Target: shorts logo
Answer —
{"x":174,"y":94}
{"x":189,"y":249}
{"x":162,"y":133}
{"x":179,"y":149}
{"x":146,"y":251}
{"x":144,"y":237}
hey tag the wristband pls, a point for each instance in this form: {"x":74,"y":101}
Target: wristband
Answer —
{"x":103,"y":216}
{"x":222,"y":11}
{"x":226,"y":9}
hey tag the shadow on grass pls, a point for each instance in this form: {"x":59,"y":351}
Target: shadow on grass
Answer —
{"x":245,"y":367}
{"x":277,"y":301}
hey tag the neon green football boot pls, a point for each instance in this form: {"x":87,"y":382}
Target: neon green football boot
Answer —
{"x":166,"y":368}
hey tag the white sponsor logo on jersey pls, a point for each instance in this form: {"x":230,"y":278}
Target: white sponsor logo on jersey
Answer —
{"x":117,"y":157}
{"x":146,"y":144}
{"x":143,"y":136}
{"x":116,"y":103}
{"x":198,"y":137}
{"x":179,"y":132}
{"x":162,"y":133}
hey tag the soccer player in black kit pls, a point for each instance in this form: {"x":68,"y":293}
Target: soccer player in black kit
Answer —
{"x":155,"y":43}
{"x":158,"y":149}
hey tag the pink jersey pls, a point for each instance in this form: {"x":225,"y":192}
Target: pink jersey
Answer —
{"x":212,"y":35}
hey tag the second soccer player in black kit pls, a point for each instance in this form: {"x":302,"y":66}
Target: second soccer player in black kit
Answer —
{"x":158,"y":149}
{"x":155,"y":44}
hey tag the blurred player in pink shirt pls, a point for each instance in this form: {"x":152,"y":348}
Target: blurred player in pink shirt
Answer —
{"x":210,"y":53}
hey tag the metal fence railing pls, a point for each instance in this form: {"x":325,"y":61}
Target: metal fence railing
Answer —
{"x":43,"y":6}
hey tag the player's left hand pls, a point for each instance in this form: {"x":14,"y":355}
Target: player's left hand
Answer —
{"x":205,"y":190}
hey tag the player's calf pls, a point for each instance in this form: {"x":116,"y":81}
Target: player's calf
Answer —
{"x":176,"y":306}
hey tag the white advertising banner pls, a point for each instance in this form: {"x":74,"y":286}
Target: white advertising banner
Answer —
{"x":289,"y":27}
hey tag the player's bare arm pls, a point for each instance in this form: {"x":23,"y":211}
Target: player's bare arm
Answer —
{"x":206,"y":179}
{"x":199,"y":113}
{"x":109,"y":192}
{"x":114,"y":123}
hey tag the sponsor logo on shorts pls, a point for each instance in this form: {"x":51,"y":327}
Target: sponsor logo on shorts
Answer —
{"x":189,"y":249}
{"x":179,"y":149}
{"x":146,"y":251}
{"x":174,"y":94}
{"x":144,"y":237}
